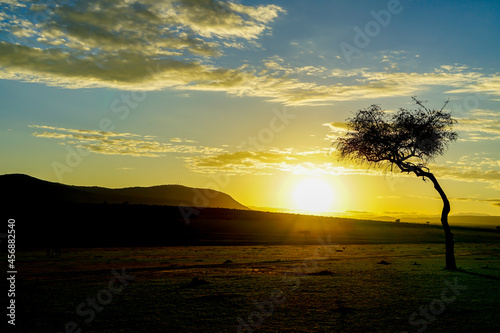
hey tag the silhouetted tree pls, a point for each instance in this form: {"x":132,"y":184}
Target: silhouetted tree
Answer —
{"x":306,"y":233}
{"x":407,"y":139}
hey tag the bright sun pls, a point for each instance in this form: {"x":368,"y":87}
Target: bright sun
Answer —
{"x":313,"y":195}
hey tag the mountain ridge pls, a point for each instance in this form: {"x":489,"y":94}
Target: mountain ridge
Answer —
{"x":22,"y":187}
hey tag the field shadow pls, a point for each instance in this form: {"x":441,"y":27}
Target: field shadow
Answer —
{"x":491,"y":277}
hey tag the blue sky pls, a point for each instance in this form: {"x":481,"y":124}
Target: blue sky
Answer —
{"x":128,"y":93}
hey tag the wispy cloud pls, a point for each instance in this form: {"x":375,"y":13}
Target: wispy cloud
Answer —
{"x":479,"y":167}
{"x":114,"y":143}
{"x":492,"y":201}
{"x":336,"y":129}
{"x":278,"y":65}
{"x":480,"y":125}
{"x":179,"y":140}
{"x":317,"y":161}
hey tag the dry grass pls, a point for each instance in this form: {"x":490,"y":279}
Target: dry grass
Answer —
{"x":295,"y":288}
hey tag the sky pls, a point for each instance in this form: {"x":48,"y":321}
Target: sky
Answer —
{"x":246,"y":97}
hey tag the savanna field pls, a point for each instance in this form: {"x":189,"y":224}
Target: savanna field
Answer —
{"x":278,"y":288}
{"x":227,"y":166}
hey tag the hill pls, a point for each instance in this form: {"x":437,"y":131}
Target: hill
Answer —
{"x":29,"y":190}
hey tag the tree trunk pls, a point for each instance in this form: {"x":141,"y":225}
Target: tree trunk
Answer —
{"x":450,"y":251}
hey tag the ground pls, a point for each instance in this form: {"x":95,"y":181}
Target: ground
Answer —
{"x":310,"y":288}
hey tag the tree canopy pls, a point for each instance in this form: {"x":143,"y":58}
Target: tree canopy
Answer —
{"x":409,"y":138}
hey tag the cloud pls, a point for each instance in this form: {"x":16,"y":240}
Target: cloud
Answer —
{"x":475,"y":168}
{"x":337,"y":129}
{"x":225,"y":19}
{"x":179,"y":140}
{"x":484,"y":85}
{"x":362,"y":83}
{"x":482,"y":161}
{"x":177,"y":44}
{"x":267,"y":162}
{"x":494,"y":202}
{"x":480,"y":125}
{"x":118,"y":43}
{"x":322,"y":161}
{"x":277,"y":64}
{"x":13,"y":3}
{"x":455,"y":76}
{"x":114,"y":143}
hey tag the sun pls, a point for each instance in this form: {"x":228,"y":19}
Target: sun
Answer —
{"x":313,"y":195}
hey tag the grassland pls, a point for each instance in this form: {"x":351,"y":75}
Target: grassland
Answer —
{"x":224,"y":270}
{"x":276,"y":288}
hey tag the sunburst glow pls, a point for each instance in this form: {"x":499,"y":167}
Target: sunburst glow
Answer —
{"x":313,"y":195}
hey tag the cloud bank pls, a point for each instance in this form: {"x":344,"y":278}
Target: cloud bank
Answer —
{"x":177,"y":44}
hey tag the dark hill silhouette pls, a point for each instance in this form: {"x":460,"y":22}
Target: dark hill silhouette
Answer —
{"x":26,"y":189}
{"x":52,"y":215}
